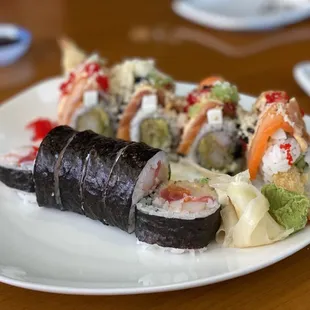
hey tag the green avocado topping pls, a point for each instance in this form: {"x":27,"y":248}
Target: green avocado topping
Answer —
{"x":289,"y":209}
{"x":159,"y":79}
{"x":225,"y":92}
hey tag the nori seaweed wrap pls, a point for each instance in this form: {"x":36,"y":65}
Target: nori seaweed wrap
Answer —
{"x":16,"y":168}
{"x":97,"y":176}
{"x":20,"y":179}
{"x":71,"y":170}
{"x":100,"y":163}
{"x":132,"y":176}
{"x":47,"y":165}
{"x":179,"y":215}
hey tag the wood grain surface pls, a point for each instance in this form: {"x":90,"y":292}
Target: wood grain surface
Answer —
{"x":119,"y":29}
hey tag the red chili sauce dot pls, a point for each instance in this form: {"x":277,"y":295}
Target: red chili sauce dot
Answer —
{"x":92,"y":68}
{"x":287,"y":148}
{"x":40,"y":128}
{"x":103,"y":82}
{"x":276,"y":96}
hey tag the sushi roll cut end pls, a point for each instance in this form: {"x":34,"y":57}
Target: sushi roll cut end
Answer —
{"x":16,"y":168}
{"x":179,"y":215}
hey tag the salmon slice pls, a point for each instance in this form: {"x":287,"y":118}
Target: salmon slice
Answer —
{"x":270,"y":121}
{"x":129,"y":113}
{"x":194,"y":126}
{"x":71,"y":102}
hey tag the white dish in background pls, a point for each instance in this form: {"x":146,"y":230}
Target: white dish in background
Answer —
{"x":53,"y":251}
{"x":301,"y":74}
{"x":242,"y":15}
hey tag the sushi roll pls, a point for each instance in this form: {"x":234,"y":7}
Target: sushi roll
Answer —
{"x":269,"y":97}
{"x":147,"y":119}
{"x":126,"y":76}
{"x":47,"y":166}
{"x":16,"y":169}
{"x":210,"y":137}
{"x":96,"y":176}
{"x":246,"y":125}
{"x":179,"y":215}
{"x":84,"y":102}
{"x":278,"y":150}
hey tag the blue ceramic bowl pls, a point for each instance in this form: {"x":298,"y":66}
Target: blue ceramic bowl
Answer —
{"x":17,"y":43}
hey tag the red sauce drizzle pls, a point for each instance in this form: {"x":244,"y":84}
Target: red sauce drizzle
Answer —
{"x":193,"y":97}
{"x":65,"y":86}
{"x":90,"y":69}
{"x":40,"y":127}
{"x":287,"y":148}
{"x":276,"y":96}
{"x":103,"y":82}
{"x":31,"y":156}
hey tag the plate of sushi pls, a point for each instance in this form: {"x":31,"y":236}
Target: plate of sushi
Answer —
{"x":116,"y":179}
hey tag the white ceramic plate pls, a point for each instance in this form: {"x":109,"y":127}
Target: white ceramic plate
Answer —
{"x":53,"y":251}
{"x":241,"y":15}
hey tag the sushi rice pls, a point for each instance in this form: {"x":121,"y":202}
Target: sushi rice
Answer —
{"x":275,"y":159}
{"x":156,"y":205}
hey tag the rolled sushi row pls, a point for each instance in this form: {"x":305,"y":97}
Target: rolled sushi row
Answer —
{"x":119,"y":183}
{"x":134,"y":101}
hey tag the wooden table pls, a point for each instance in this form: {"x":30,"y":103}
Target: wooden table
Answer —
{"x":119,"y":29}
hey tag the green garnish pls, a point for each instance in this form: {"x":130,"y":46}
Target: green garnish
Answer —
{"x":289,"y":209}
{"x":160,"y":79}
{"x":225,"y":92}
{"x":204,"y":180}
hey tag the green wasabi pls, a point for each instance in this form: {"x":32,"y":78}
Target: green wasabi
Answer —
{"x":289,"y":209}
{"x":225,"y":92}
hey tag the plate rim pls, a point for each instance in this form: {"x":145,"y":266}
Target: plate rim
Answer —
{"x":71,"y":290}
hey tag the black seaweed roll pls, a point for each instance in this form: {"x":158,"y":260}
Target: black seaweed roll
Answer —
{"x":47,"y":166}
{"x":136,"y":172}
{"x":16,"y":169}
{"x":179,"y":215}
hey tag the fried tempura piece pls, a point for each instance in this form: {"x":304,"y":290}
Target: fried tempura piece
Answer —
{"x":292,"y":180}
